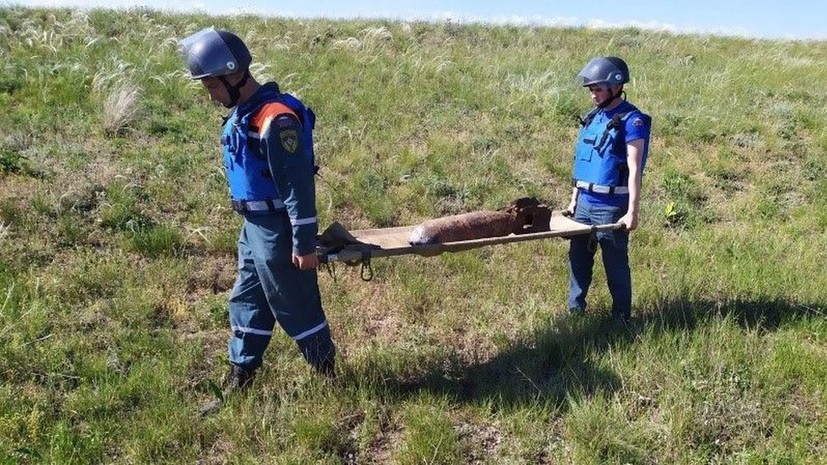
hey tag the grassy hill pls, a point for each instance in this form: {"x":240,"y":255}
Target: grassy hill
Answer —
{"x":117,"y":249}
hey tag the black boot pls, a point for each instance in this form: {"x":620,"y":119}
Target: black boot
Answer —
{"x":326,"y":368}
{"x":238,"y":380}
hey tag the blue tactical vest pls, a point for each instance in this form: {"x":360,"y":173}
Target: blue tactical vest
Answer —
{"x":248,"y":172}
{"x":600,"y":153}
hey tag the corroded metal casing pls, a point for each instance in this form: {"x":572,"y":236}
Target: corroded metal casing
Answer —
{"x":522,"y":216}
{"x":464,"y":227}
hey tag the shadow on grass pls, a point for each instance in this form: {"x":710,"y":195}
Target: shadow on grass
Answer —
{"x":565,"y":360}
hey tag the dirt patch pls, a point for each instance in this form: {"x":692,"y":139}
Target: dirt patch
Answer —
{"x":483,"y":440}
{"x":380,"y":449}
{"x":214,"y":275}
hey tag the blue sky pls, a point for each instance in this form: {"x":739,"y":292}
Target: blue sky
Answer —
{"x":792,"y":19}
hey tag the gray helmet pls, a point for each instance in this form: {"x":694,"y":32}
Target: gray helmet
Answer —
{"x":608,"y":71}
{"x":211,"y":53}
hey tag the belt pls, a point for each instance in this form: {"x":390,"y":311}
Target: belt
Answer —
{"x":592,"y":187}
{"x":242,"y":206}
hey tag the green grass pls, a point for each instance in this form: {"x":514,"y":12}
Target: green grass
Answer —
{"x":117,"y":249}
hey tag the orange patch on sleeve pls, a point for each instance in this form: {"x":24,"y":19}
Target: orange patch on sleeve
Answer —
{"x":267,"y":114}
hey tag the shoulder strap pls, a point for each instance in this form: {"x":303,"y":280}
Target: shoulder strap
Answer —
{"x":617,"y":119}
{"x":616,"y":123}
{"x":587,"y":120}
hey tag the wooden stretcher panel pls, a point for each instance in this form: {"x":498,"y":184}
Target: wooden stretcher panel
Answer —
{"x":388,"y":242}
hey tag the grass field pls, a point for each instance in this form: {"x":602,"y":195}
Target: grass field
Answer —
{"x":117,"y":249}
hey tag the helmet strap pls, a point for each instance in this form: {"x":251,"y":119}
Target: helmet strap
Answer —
{"x":612,"y":97}
{"x":234,"y":91}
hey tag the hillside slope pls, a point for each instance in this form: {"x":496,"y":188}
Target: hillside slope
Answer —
{"x":117,"y":249}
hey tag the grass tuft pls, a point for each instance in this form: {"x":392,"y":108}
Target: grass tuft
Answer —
{"x":120,"y":107}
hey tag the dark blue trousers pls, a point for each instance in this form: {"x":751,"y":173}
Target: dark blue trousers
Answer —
{"x":269,"y":290}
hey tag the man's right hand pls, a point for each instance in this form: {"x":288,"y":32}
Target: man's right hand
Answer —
{"x":306,"y":262}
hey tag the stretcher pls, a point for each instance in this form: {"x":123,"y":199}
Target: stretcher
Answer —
{"x":358,"y":247}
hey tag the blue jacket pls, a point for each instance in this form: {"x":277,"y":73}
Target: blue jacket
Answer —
{"x":268,"y":156}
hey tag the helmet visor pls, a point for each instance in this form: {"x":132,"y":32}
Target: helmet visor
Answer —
{"x":207,"y":54}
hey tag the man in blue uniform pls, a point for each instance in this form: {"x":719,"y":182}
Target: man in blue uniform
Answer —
{"x":268,"y":157}
{"x":609,"y":159}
